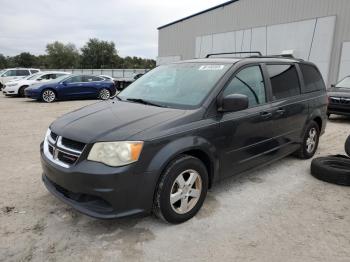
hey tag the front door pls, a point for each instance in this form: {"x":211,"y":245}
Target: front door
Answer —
{"x":247,"y":137}
{"x":72,"y":87}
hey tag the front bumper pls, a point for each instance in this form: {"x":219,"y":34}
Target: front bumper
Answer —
{"x":9,"y":90}
{"x":339,"y":109}
{"x":100,"y":191}
{"x":32,"y":93}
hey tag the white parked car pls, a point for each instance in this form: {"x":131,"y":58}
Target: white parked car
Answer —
{"x":15,"y":73}
{"x":16,"y":87}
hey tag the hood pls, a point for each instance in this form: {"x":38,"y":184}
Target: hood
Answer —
{"x":111,"y":121}
{"x":339,"y":92}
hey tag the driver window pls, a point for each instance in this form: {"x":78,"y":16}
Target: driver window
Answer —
{"x":249,"y":81}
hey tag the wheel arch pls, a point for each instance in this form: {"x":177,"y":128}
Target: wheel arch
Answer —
{"x":21,"y":87}
{"x":194,"y":146}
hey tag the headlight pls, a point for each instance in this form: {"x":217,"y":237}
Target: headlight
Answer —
{"x":13,"y":84}
{"x":116,"y":153}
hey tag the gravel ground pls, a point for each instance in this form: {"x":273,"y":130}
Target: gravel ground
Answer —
{"x":279,"y":213}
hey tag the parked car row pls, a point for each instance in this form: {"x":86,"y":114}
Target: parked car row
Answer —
{"x":50,"y":86}
{"x":17,"y":87}
{"x":7,"y":75}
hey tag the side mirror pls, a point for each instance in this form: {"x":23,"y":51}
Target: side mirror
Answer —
{"x":64,"y":83}
{"x":233,"y":103}
{"x":39,"y":79}
{"x":333,"y":86}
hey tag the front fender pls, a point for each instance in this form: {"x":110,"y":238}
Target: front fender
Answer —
{"x":180,"y":146}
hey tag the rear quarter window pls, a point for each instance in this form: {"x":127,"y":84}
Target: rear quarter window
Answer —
{"x":312,"y":78}
{"x":22,"y":73}
{"x":284,"y":81}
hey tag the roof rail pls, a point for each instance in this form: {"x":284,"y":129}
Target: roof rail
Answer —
{"x":279,"y":56}
{"x":235,"y":53}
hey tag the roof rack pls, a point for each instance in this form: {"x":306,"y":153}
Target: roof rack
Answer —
{"x":235,"y":53}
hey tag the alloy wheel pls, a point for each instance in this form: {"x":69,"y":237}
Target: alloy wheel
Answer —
{"x":49,"y":96}
{"x":105,"y":94}
{"x":186,"y":191}
{"x":311,"y":141}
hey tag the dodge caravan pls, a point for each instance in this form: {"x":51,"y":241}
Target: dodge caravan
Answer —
{"x":172,"y":134}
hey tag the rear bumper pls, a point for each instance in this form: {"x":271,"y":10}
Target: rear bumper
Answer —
{"x":100,"y":191}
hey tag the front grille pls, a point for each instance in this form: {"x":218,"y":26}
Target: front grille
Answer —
{"x":73,"y":144}
{"x":62,"y":151}
{"x":53,"y":136}
{"x":69,"y":159}
{"x":340,"y":100}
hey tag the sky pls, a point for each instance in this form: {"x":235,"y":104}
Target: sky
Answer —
{"x":27,"y":26}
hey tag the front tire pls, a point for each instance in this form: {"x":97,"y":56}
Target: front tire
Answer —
{"x":48,"y":96}
{"x":310,"y":141}
{"x":182,"y":190}
{"x":21,"y":91}
{"x":104,"y":94}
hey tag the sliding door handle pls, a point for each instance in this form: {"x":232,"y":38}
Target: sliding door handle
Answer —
{"x":266,"y":115}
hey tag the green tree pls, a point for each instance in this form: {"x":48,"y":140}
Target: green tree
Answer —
{"x":3,"y":61}
{"x":61,"y":55}
{"x":25,"y":59}
{"x":99,"y":54}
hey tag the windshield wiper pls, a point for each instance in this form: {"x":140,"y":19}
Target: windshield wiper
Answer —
{"x":145,"y":102}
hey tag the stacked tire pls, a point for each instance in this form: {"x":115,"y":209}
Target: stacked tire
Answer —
{"x":333,"y":169}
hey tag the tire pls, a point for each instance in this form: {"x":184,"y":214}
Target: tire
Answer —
{"x":21,"y":91}
{"x":48,"y":95}
{"x":184,"y":206}
{"x":104,"y":94}
{"x":304,"y":152}
{"x":335,"y":170}
{"x":347,"y":146}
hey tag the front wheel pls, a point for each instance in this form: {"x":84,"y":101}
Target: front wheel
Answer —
{"x":104,"y":94}
{"x":48,"y":96}
{"x":310,"y":141}
{"x":182,"y":189}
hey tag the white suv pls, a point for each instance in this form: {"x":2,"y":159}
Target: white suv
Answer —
{"x":15,"y":73}
{"x":16,"y":87}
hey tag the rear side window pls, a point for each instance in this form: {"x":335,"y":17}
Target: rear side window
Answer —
{"x":75,"y":79}
{"x":92,"y":79}
{"x":249,"y":81}
{"x":284,"y":81}
{"x":34,"y":71}
{"x":312,"y":78}
{"x":22,"y":73}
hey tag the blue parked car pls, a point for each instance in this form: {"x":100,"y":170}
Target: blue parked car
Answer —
{"x":72,"y":87}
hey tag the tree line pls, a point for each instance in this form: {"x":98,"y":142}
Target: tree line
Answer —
{"x":94,"y":54}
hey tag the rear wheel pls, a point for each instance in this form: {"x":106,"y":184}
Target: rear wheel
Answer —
{"x":104,"y":94}
{"x":310,"y":141}
{"x":48,"y":96}
{"x":182,"y":189}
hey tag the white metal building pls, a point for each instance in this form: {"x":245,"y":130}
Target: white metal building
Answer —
{"x":316,"y":30}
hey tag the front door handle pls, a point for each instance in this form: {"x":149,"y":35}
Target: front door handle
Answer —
{"x":280,"y":111}
{"x":266,"y":115}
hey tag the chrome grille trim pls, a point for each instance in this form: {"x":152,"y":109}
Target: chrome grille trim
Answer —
{"x":58,"y":147}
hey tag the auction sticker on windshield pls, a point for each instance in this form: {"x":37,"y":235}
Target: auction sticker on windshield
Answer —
{"x":211,"y":67}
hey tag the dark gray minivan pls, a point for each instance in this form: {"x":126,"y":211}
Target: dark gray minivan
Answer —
{"x":168,"y":137}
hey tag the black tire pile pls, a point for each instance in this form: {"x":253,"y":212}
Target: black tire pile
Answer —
{"x":333,"y":169}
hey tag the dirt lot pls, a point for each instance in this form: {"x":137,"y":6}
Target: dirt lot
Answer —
{"x":280,"y":213}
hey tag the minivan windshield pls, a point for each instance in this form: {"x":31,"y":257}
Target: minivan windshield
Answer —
{"x":180,"y":85}
{"x":345,"y":83}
